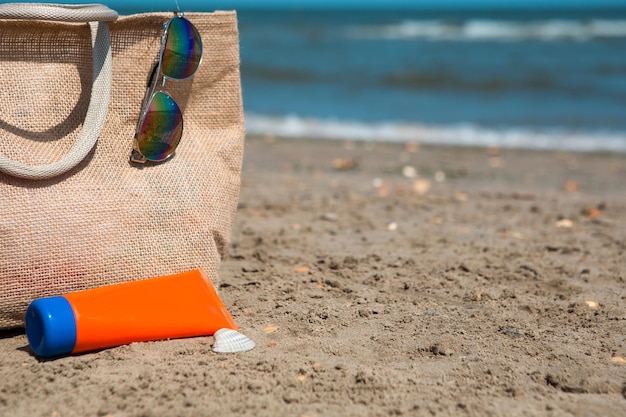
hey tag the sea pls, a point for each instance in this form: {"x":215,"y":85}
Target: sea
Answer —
{"x":521,"y":79}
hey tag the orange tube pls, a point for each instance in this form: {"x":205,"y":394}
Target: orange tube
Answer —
{"x":175,"y":306}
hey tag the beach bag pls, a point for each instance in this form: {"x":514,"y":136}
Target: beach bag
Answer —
{"x":75,"y":212}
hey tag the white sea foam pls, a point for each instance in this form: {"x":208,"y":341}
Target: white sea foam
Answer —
{"x":461,"y":134}
{"x":494,"y":30}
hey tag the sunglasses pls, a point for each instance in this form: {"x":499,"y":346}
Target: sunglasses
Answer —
{"x":160,"y":124}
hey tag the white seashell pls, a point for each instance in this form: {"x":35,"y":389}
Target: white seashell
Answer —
{"x":231,"y":341}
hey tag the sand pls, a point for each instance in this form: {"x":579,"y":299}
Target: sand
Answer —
{"x":386,"y":279}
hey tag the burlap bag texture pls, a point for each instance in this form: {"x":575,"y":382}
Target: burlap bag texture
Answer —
{"x":108,"y":221}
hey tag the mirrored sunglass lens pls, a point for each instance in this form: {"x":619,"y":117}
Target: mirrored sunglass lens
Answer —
{"x":183,"y":49}
{"x":161,"y":129}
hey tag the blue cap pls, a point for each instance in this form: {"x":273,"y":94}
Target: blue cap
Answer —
{"x":51,"y":327}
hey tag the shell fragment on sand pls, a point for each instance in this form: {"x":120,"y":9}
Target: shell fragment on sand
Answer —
{"x":231,"y":341}
{"x":564,"y":224}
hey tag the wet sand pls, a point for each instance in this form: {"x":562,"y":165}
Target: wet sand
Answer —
{"x":387,"y":279}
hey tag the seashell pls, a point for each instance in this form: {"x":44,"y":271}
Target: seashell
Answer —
{"x":231,"y":341}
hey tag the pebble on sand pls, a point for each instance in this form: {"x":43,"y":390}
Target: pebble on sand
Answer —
{"x":412,"y":147}
{"x":572,"y":186}
{"x":344,"y":164}
{"x":422,"y":186}
{"x":329,"y":217}
{"x":409,"y":171}
{"x":270,"y":329}
{"x":564,"y":224}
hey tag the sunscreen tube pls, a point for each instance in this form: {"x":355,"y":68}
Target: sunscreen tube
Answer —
{"x":175,"y":306}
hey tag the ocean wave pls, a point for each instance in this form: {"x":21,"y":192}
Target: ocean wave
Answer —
{"x":495,"y":30}
{"x":461,"y":134}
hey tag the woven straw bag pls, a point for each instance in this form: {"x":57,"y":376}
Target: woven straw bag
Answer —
{"x":74,"y":212}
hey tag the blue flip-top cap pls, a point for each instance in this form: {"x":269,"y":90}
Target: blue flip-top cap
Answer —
{"x":51,"y":327}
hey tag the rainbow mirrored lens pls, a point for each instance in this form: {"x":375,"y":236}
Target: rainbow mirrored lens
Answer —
{"x":161,"y":128}
{"x":183,"y":49}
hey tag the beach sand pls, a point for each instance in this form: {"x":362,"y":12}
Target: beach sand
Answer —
{"x":387,"y":279}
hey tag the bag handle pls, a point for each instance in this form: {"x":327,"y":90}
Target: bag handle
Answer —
{"x":98,"y":17}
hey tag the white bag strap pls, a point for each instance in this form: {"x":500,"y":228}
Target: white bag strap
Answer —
{"x":98,"y":17}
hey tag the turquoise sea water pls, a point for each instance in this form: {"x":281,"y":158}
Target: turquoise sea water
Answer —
{"x":509,"y":78}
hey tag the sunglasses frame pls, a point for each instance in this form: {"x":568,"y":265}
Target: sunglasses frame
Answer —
{"x":156,"y":84}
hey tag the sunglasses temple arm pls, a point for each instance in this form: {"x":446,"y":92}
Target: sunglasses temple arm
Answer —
{"x":152,"y":83}
{"x":150,"y":88}
{"x":136,"y":156}
{"x":155,"y":76}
